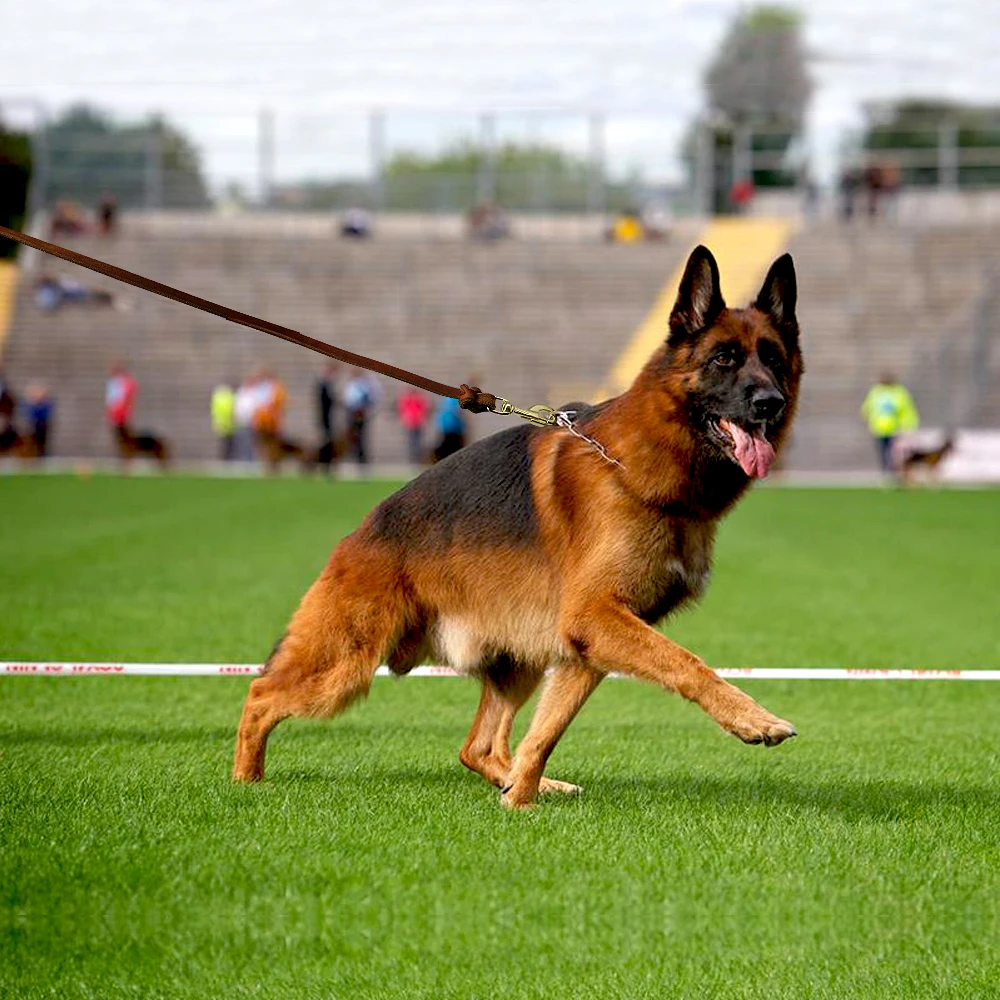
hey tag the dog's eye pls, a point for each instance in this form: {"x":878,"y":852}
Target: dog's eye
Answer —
{"x":770,"y":357}
{"x":724,"y":360}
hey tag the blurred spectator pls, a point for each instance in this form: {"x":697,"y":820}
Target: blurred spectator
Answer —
{"x":224,"y":419}
{"x":810,"y":195}
{"x":361,"y":396}
{"x":872,"y":181}
{"x":107,"y":215}
{"x":741,"y":195}
{"x":326,"y":398}
{"x":488,"y":222}
{"x":67,"y":219}
{"x":892,"y":184}
{"x":48,"y":293}
{"x":627,"y":228}
{"x":37,"y":408}
{"x":889,"y":409}
{"x":119,"y":396}
{"x":657,"y":222}
{"x":850,"y":185}
{"x":7,"y":401}
{"x":356,"y":224}
{"x":413,"y":411}
{"x":244,"y":409}
{"x":270,"y":408}
{"x":451,"y":426}
{"x":52,"y":292}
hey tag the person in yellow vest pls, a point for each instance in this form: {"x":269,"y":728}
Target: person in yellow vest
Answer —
{"x":224,"y":420}
{"x":889,"y":410}
{"x":628,"y":228}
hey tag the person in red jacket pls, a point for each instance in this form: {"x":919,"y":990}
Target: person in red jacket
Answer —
{"x":119,"y":396}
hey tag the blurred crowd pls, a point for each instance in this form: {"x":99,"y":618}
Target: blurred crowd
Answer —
{"x":871,"y":191}
{"x":70,"y":219}
{"x":247,"y":418}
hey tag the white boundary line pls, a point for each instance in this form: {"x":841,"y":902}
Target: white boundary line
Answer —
{"x":252,"y":669}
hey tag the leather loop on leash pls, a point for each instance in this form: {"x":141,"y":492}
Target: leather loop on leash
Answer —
{"x":470,"y":398}
{"x":473,"y":399}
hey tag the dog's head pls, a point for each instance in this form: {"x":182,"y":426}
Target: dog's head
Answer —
{"x":736,"y":371}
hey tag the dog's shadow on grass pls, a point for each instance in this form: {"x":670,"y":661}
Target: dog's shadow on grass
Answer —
{"x":371,"y":777}
{"x":853,"y":799}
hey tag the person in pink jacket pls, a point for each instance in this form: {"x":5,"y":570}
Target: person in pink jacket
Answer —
{"x":412,"y":409}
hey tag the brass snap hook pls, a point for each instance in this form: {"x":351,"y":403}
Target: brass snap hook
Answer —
{"x":539,"y":414}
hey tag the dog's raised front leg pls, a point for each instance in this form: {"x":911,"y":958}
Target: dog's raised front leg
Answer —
{"x":609,"y":636}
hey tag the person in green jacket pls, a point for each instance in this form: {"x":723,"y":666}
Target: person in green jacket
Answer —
{"x":224,"y":420}
{"x":889,"y":409}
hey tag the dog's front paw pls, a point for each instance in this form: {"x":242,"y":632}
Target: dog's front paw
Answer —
{"x":761,"y":727}
{"x":519,"y":795}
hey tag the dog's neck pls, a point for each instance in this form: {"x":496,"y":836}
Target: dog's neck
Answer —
{"x":664,"y":463}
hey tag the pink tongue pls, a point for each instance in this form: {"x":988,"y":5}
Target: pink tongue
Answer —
{"x":753,"y":451}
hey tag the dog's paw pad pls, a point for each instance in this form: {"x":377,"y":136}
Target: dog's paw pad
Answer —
{"x":766,"y":728}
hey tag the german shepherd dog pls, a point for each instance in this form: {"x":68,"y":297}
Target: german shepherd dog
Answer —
{"x":144,"y":445}
{"x":274,"y":449}
{"x":925,"y":458}
{"x":531,"y":550}
{"x":14,"y":443}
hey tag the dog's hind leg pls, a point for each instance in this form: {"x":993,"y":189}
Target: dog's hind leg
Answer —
{"x":324,"y":663}
{"x":487,"y":747}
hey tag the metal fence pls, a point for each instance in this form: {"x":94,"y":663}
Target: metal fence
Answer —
{"x":332,"y":162}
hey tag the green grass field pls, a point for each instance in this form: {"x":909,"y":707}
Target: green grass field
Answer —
{"x":860,"y":860}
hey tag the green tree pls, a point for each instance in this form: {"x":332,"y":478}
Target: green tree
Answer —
{"x":916,"y":125}
{"x":529,"y":177}
{"x":515,"y":176}
{"x":89,"y":156}
{"x":759,"y":75}
{"x":15,"y":175}
{"x":756,"y":84}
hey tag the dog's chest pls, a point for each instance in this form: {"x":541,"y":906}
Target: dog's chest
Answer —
{"x":670,"y":564}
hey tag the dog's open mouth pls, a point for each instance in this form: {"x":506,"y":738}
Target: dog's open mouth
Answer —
{"x":749,"y":448}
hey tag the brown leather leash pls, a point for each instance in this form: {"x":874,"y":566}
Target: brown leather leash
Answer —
{"x":469,"y":397}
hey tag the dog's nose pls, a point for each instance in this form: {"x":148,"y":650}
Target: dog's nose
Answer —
{"x":766,"y":404}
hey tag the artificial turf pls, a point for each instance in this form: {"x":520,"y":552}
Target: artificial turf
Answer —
{"x":860,"y":860}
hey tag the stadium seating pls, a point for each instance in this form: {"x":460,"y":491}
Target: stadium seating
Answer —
{"x":541,"y":318}
{"x":915,"y":301}
{"x":536,"y":320}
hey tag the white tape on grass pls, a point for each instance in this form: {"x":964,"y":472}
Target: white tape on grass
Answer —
{"x":252,"y":669}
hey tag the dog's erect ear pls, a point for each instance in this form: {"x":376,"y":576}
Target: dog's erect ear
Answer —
{"x":699,"y":300}
{"x":778,"y":293}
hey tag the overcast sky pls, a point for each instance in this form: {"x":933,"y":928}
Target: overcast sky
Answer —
{"x":432,"y":64}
